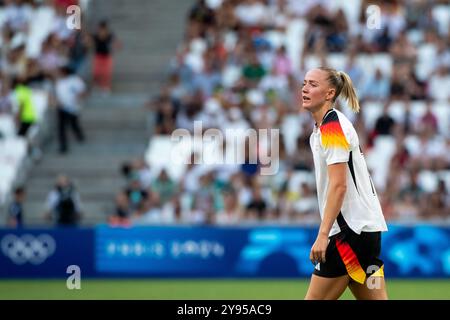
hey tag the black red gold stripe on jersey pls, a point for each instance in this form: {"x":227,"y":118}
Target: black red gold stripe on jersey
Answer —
{"x":332,"y":134}
{"x":354,"y":269}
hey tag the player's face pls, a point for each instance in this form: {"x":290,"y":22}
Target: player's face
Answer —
{"x":315,"y":90}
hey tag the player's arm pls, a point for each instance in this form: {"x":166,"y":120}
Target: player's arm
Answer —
{"x":336,"y":148}
{"x":337,"y":188}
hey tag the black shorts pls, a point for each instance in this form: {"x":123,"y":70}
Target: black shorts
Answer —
{"x":352,"y":254}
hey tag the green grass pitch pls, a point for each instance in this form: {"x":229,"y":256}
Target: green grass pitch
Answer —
{"x":223,"y":289}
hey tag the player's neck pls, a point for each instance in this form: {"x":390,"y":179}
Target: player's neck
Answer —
{"x":320,"y":114}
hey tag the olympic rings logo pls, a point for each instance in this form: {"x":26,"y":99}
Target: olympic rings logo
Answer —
{"x":28,"y":248}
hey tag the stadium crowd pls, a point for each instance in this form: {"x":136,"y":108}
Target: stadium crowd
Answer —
{"x":239,"y":66}
{"x":42,"y":57}
{"x":39,"y":59}
{"x":35,"y":44}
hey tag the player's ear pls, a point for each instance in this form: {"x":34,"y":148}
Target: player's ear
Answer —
{"x":330,"y":94}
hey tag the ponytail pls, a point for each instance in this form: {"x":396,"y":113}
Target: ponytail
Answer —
{"x":343,"y":84}
{"x":348,"y":91}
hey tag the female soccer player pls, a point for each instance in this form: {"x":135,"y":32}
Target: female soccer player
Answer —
{"x":346,"y":251}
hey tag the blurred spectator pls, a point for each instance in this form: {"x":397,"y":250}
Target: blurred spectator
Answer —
{"x":429,"y":151}
{"x":382,"y":42}
{"x":376,"y":87}
{"x":35,"y":76}
{"x":412,"y":188}
{"x":136,"y":194}
{"x":190,"y":111}
{"x":355,"y":72}
{"x":401,"y":157}
{"x":137,"y":169}
{"x":60,"y":19}
{"x":407,"y":208}
{"x":121,"y":215}
{"x":399,"y":82}
{"x":208,"y":80}
{"x":164,"y":187}
{"x":416,"y":89}
{"x":442,"y":55}
{"x":202,"y":14}
{"x":14,"y":63}
{"x":251,"y":13}
{"x":231,"y":214}
{"x":15,"y":211}
{"x":429,"y":121}
{"x":251,"y":163}
{"x":393,"y":17}
{"x":253,"y":71}
{"x":26,"y":115}
{"x":6,"y":40}
{"x":149,"y":211}
{"x":212,"y":115}
{"x":64,"y":203}
{"x":423,"y":15}
{"x":165,"y":117}
{"x":385,"y":123}
{"x":439,"y":82}
{"x":257,"y":207}
{"x":6,"y":100}
{"x":143,"y":171}
{"x":104,"y":42}
{"x":52,"y":56}
{"x":302,"y":158}
{"x":17,"y":14}
{"x":204,"y":200}
{"x":387,"y":205}
{"x":320,"y":28}
{"x":306,"y":205}
{"x":69,"y":90}
{"x":140,"y":213}
{"x":282,"y":63}
{"x":438,"y":206}
{"x":337,"y":38}
{"x":402,"y":50}
{"x":190,"y":182}
{"x":79,"y":47}
{"x":274,"y":81}
{"x":226,"y":18}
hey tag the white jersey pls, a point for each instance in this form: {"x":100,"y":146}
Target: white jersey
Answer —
{"x":68,"y":90}
{"x":336,"y":141}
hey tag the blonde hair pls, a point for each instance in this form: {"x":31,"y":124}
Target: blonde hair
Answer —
{"x":343,"y":85}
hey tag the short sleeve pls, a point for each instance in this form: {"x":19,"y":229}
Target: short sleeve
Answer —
{"x":333,"y":140}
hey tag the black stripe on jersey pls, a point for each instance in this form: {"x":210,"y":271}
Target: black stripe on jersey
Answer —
{"x":341,"y":221}
{"x":368,"y":173}
{"x":352,"y":170}
{"x":330,"y":116}
{"x":371,"y":183}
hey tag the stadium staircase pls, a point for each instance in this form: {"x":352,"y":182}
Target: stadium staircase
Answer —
{"x":117,"y":125}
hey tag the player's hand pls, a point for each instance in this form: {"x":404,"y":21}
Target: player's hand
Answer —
{"x":319,"y":249}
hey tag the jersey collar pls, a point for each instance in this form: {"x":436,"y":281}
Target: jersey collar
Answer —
{"x":324,"y":116}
